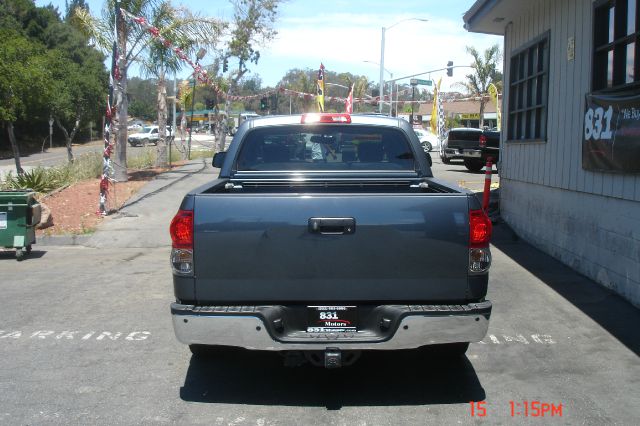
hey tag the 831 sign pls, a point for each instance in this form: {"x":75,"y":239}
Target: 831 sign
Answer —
{"x":597,"y":123}
{"x":611,"y":133}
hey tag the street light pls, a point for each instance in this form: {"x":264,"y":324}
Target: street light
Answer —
{"x":382,"y":56}
{"x":390,"y":90}
{"x":199,"y":56}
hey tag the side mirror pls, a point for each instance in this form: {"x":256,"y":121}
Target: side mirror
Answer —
{"x":429,"y":160}
{"x":218,"y":159}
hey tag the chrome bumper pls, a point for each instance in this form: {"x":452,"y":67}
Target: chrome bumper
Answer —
{"x":246,"y":327}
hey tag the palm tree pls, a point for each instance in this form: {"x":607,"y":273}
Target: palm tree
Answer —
{"x":133,"y":40}
{"x":485,"y":68}
{"x":182,"y":28}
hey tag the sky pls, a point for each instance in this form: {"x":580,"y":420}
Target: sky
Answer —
{"x":344,"y":35}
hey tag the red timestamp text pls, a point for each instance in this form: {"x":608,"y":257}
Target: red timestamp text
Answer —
{"x":521,"y":409}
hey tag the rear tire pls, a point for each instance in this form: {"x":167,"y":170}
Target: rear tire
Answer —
{"x":445,"y":160}
{"x":427,"y":146}
{"x":473,"y":165}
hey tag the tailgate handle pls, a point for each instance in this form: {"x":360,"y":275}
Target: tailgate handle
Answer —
{"x":332,"y":225}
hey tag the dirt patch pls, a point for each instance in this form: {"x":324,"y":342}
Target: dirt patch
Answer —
{"x":75,"y":208}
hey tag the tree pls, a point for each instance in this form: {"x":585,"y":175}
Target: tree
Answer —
{"x":133,"y":41}
{"x":25,"y":82}
{"x":485,"y":72}
{"x":79,"y":80}
{"x":183,"y":29}
{"x":252,"y":27}
{"x":79,"y":92}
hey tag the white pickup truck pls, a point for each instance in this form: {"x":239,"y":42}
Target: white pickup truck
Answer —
{"x":148,"y":134}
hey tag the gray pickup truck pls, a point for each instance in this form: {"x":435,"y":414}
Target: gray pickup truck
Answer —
{"x":325,"y":235}
{"x":473,"y":146}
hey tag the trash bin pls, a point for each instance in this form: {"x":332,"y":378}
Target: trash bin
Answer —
{"x":19,"y":215}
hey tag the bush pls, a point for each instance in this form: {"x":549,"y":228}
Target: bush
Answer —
{"x":45,"y":180}
{"x":38,"y":179}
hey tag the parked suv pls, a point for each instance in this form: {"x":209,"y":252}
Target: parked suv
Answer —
{"x":148,"y":134}
{"x":473,"y":146}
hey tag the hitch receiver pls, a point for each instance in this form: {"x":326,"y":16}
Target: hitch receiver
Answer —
{"x":332,"y":358}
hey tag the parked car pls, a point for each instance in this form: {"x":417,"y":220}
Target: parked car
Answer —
{"x":471,"y":145}
{"x":286,"y":252}
{"x":427,"y":139}
{"x":148,"y":134}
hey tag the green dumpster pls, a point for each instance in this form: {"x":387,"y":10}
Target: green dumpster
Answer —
{"x":19,"y":216}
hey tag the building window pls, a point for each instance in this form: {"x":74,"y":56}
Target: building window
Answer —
{"x":528,"y":91}
{"x":616,"y":54}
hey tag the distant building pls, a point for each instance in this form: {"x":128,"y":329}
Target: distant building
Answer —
{"x":570,"y":160}
{"x":467,"y":112}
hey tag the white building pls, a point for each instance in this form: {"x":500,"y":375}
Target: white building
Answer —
{"x":570,"y":175}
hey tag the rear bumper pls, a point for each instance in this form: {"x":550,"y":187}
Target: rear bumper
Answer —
{"x":452,"y":153}
{"x":259,"y":328}
{"x":481,"y":154}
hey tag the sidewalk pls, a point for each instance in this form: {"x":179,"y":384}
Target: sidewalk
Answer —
{"x":144,"y":220}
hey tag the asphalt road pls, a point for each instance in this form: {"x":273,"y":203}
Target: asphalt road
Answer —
{"x":86,"y":338}
{"x":58,"y":155}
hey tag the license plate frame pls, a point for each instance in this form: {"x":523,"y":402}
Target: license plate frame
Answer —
{"x":332,"y":319}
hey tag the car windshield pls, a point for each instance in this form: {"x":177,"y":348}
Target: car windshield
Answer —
{"x":146,"y":129}
{"x":333,"y":147}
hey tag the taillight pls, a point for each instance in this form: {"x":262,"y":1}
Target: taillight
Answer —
{"x":181,"y":230}
{"x":479,"y":237}
{"x":483,"y":141}
{"x":325,"y":118}
{"x":479,"y":228}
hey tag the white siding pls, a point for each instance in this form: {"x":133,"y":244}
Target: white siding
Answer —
{"x":558,"y":161}
{"x":588,"y":220}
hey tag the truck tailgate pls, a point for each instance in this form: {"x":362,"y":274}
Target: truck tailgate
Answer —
{"x":263,"y":249}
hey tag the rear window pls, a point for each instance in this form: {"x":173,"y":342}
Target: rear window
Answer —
{"x":332,"y":147}
{"x":465,"y":135}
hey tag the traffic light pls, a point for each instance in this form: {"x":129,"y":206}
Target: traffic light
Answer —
{"x":225,"y":65}
{"x":264,"y":104}
{"x":450,"y":68}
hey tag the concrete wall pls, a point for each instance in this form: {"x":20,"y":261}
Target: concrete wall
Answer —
{"x":597,"y":236}
{"x":589,"y":220}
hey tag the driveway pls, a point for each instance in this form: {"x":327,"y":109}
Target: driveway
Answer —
{"x":86,"y":338}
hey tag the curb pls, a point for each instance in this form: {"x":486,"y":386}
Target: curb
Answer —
{"x":63,"y":240}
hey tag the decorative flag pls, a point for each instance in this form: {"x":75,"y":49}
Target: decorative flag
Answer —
{"x":493,"y":92}
{"x":434,"y":110}
{"x":348,"y":105}
{"x":320,"y":89}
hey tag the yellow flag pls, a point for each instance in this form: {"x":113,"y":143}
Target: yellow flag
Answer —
{"x":434,"y":110}
{"x":320,"y":89}
{"x":493,"y":92}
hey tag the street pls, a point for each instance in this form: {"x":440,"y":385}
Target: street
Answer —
{"x":86,"y":338}
{"x":58,"y":155}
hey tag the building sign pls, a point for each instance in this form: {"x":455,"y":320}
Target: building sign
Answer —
{"x":469,"y":116}
{"x":611,"y":137}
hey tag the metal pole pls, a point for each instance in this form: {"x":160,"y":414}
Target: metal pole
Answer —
{"x":391,"y":96}
{"x":193,"y":99}
{"x":175,"y":99}
{"x":413,"y":99}
{"x":381,"y":70}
